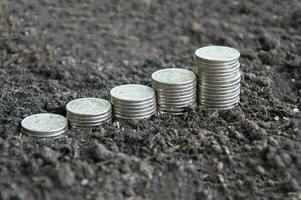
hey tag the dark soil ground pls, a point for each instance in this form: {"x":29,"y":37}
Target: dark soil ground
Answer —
{"x":53,"y":51}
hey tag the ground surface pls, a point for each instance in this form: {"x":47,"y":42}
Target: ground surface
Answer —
{"x":53,"y":51}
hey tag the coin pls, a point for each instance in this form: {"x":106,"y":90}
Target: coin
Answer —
{"x":173,"y":76}
{"x":44,"y":125}
{"x":88,"y":107}
{"x":132,"y":93}
{"x":116,"y":102}
{"x":217,"y":54}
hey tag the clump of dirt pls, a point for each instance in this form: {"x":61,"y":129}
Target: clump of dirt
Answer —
{"x":54,"y":51}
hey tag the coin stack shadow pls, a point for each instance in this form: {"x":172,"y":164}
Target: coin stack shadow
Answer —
{"x":133,"y":101}
{"x":217,"y":68}
{"x":175,"y":90}
{"x":88,"y":112}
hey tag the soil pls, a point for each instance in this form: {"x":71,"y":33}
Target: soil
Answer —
{"x":53,"y":51}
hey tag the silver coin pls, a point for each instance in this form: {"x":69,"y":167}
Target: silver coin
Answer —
{"x":44,"y":125}
{"x":173,"y":76}
{"x":116,"y":102}
{"x":212,"y":72}
{"x":176,"y":92}
{"x":183,"y":100}
{"x":88,"y":120}
{"x":85,"y":118}
{"x":135,"y":106}
{"x":88,"y":125}
{"x":89,"y":107}
{"x":174,"y":111}
{"x":218,"y":76}
{"x":134,"y":111}
{"x":230,"y":91}
{"x":132,"y":93}
{"x":219,"y":108}
{"x":170,"y":109}
{"x":220,"y":94}
{"x":219,"y":103}
{"x":220,"y":86}
{"x":177,"y":109}
{"x":174,"y":87}
{"x":197,"y":61}
{"x":43,"y":135}
{"x":177,"y":105}
{"x":220,"y":65}
{"x":163,"y":112}
{"x":220,"y":99}
{"x":217,"y":54}
{"x":176,"y":96}
{"x":214,"y":96}
{"x":220,"y":81}
{"x":134,"y":117}
{"x":225,"y":72}
{"x":204,"y":92}
{"x":89,"y":117}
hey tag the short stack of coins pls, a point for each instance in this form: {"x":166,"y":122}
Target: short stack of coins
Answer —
{"x":175,"y":90}
{"x":217,"y":68}
{"x":44,"y":125}
{"x":133,"y":101}
{"x":88,"y":112}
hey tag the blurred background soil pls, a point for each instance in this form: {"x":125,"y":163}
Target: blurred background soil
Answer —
{"x":53,"y":51}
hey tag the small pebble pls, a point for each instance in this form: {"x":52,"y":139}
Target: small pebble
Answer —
{"x":220,"y":166}
{"x":101,"y":153}
{"x":260,"y":170}
{"x":65,"y":175}
{"x":49,"y":155}
{"x":84,"y":182}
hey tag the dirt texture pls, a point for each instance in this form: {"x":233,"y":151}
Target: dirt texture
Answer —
{"x":53,"y":51}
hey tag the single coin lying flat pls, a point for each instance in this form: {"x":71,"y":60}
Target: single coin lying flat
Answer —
{"x":174,"y":76}
{"x":217,"y":54}
{"x":132,"y":93}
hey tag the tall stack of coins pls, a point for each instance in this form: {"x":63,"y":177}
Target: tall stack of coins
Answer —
{"x":88,"y":112}
{"x":175,"y":90}
{"x":217,"y":68}
{"x":133,"y":101}
{"x":44,"y":125}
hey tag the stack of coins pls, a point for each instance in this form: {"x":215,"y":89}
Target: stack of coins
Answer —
{"x":44,"y":125}
{"x":217,"y":68}
{"x":133,"y":101}
{"x":175,"y":90}
{"x":88,"y":112}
